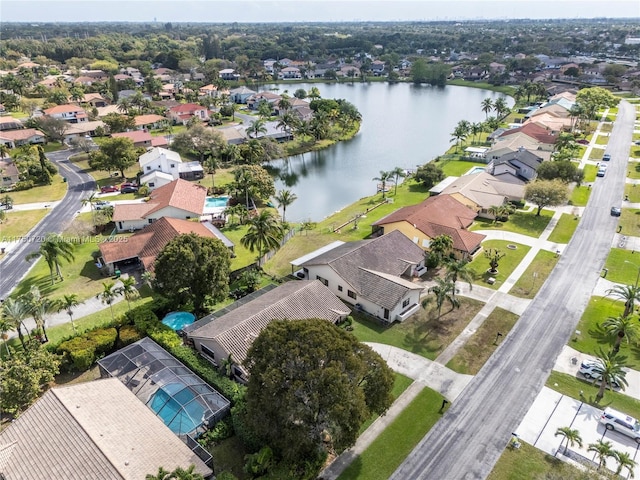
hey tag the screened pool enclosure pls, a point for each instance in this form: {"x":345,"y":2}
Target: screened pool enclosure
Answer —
{"x":184,"y":402}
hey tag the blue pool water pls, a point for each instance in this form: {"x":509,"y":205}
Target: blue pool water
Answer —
{"x":173,"y":404}
{"x":476,"y":169}
{"x":213,"y":202}
{"x":177,"y":320}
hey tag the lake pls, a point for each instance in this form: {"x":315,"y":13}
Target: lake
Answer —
{"x":403,"y":125}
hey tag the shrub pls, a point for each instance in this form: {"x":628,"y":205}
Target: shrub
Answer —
{"x":223,"y":429}
{"x":128,"y":335}
{"x":23,"y":185}
{"x":165,"y":336}
{"x":244,"y":433}
{"x":80,"y":352}
{"x":103,"y":338}
{"x":143,"y":318}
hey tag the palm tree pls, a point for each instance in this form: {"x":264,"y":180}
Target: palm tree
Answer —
{"x":602,"y":450}
{"x":188,"y":474}
{"x":38,"y":306}
{"x":476,"y":128}
{"x":314,"y":93}
{"x":161,"y":475}
{"x":4,"y":150}
{"x":444,"y":290}
{"x":5,"y":326}
{"x":398,"y":173}
{"x":91,"y":200}
{"x":623,"y":328}
{"x":571,"y":436}
{"x":458,"y":269}
{"x":610,"y":368}
{"x":383,"y":179}
{"x":284,"y":199}
{"x":128,"y":290}
{"x":108,"y":295}
{"x":459,"y":133}
{"x":54,"y":249}
{"x":15,"y":311}
{"x":501,"y":107}
{"x":147,"y":277}
{"x":624,"y":461}
{"x":265,"y":233}
{"x":487,"y":106}
{"x":68,"y":303}
{"x":628,"y":293}
{"x":211,"y":164}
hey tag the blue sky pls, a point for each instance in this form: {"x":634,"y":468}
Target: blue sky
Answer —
{"x":243,"y":11}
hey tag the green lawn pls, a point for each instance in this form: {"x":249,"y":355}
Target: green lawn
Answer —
{"x":623,"y":266}
{"x":590,"y":172}
{"x":634,"y":151}
{"x":564,"y":229}
{"x":632,"y":192}
{"x":392,"y":446}
{"x":508,"y":263}
{"x":571,"y":386}
{"x":630,"y":221}
{"x":243,"y":257}
{"x":580,"y":195}
{"x":102,"y":177}
{"x":17,"y":223}
{"x":535,"y":275}
{"x":602,"y":140}
{"x":633,"y":170}
{"x":526,"y":223}
{"x":457,"y":168}
{"x":400,"y":384}
{"x":423,"y":333}
{"x":596,"y":154}
{"x":473,"y":355}
{"x":45,"y":193}
{"x":591,"y":338}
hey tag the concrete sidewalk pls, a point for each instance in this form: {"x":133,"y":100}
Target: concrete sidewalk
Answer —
{"x":20,"y":207}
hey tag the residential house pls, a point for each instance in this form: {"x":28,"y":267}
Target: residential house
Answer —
{"x":233,"y":135}
{"x":437,"y":215}
{"x":143,"y":247}
{"x":68,"y":113}
{"x":182,"y":113}
{"x":377,"y":67}
{"x":104,"y":111}
{"x":160,"y":166}
{"x":546,"y":138}
{"x":349,"y":71}
{"x":140,"y":138}
{"x":219,"y":337}
{"x":10,"y":123}
{"x":481,"y":191}
{"x":75,"y":130}
{"x":229,"y":74}
{"x":94,"y":430}
{"x":178,"y":199}
{"x":208,"y":90}
{"x":150,"y":122}
{"x":241,"y":94}
{"x":516,"y":166}
{"x":9,"y":174}
{"x":513,"y":143}
{"x":375,"y":275}
{"x":94,"y":99}
{"x":289,"y":73}
{"x":255,"y":100}
{"x":23,"y":136}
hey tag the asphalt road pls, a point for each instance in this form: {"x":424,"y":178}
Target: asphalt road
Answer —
{"x":472,"y":434}
{"x":14,"y":267}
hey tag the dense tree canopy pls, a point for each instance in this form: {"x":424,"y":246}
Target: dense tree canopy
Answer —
{"x":310,"y":383}
{"x":114,"y":154}
{"x":543,"y":193}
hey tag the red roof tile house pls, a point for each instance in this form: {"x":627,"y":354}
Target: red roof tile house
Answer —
{"x":438,"y":215}
{"x":181,"y":114}
{"x":545,"y":137}
{"x":68,"y":113}
{"x":140,"y":138}
{"x":178,"y":199}
{"x":144,"y":246}
{"x":23,"y":136}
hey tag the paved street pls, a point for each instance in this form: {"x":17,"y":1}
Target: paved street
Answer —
{"x":469,"y":439}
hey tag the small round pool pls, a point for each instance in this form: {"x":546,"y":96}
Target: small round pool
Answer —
{"x":177,"y":320}
{"x":216,"y":202}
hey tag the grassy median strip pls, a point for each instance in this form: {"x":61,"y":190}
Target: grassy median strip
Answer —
{"x":42,"y":193}
{"x":18,"y":223}
{"x":565,"y":227}
{"x":622,"y":264}
{"x":535,"y":275}
{"x":392,"y":446}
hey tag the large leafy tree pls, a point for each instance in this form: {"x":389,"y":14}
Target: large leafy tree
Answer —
{"x":265,"y":233}
{"x":53,"y":128}
{"x":114,"y":154}
{"x":119,"y":123}
{"x":54,"y":249}
{"x":312,"y":385}
{"x":594,"y":98}
{"x":253,"y":180}
{"x":544,"y":193}
{"x":199,"y":140}
{"x":429,"y":174}
{"x":193,"y":270}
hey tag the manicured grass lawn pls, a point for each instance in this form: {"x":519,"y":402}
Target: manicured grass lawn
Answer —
{"x":508,"y":263}
{"x":45,"y":193}
{"x":388,"y":451}
{"x":606,"y":127}
{"x":633,"y":170}
{"x":423,"y":333}
{"x":630,"y":221}
{"x":634,"y":152}
{"x":400,"y":384}
{"x":590,"y":172}
{"x":526,"y":223}
{"x":17,"y":224}
{"x":102,"y":177}
{"x":528,"y":462}
{"x":623,"y":266}
{"x":591,"y":338}
{"x":473,"y":355}
{"x":580,"y":195}
{"x":535,"y":275}
{"x":596,"y":154}
{"x":571,"y":386}
{"x":633,"y":192}
{"x":456,"y":168}
{"x":602,"y":140}
{"x":564,"y":229}
{"x":243,"y":256}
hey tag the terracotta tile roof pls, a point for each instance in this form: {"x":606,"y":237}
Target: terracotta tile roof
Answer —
{"x":147,"y":243}
{"x":159,"y":141}
{"x":136,"y":136}
{"x":21,"y":134}
{"x":187,"y":108}
{"x":142,"y":120}
{"x":295,"y":300}
{"x":94,"y":430}
{"x":534,"y":131}
{"x":64,"y":109}
{"x":131,"y":211}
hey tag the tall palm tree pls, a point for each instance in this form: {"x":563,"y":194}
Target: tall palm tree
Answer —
{"x":610,"y":367}
{"x":624,"y":461}
{"x":147,"y":277}
{"x":211,"y":165}
{"x":571,"y":436}
{"x":628,"y":293}
{"x":444,"y":290}
{"x":128,"y":290}
{"x":284,"y":199}
{"x":38,"y":306}
{"x":487,"y":106}
{"x":314,"y":93}
{"x":68,"y":303}
{"x":459,"y":134}
{"x":5,"y":326}
{"x":623,"y":328}
{"x":501,"y":107}
{"x":108,"y":295}
{"x":602,"y":450}
{"x":15,"y":311}
{"x":4,"y":150}
{"x":383,"y":179}
{"x":398,"y":173}
{"x":476,"y":129}
{"x":265,"y":233}
{"x":91,"y":201}
{"x":458,"y":269}
{"x":54,"y":249}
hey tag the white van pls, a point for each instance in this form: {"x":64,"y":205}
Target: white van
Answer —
{"x":621,"y":422}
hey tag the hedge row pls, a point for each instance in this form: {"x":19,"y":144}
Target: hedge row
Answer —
{"x":82,"y":351}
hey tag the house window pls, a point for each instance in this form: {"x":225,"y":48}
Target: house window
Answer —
{"x":339,"y":288}
{"x":323,"y":280}
{"x":152,"y":184}
{"x":415,"y":239}
{"x":386,"y":314}
{"x":426,"y":242}
{"x":173,"y":165}
{"x":351,"y":294}
{"x":208,"y":352}
{"x":151,"y":220}
{"x":148,"y":167}
{"x":187,"y":217}
{"x":406,"y":303}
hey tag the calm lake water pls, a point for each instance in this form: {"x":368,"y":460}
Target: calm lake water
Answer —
{"x":403,"y":126}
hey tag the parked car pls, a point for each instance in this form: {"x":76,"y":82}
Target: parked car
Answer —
{"x":616,"y":211}
{"x":100,"y":204}
{"x":129,"y":189}
{"x":602,"y":170}
{"x":606,"y":157}
{"x":621,"y":422}
{"x":583,"y":141}
{"x":591,"y":370}
{"x":109,"y":189}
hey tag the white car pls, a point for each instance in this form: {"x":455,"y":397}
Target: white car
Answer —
{"x":100,"y":204}
{"x":591,"y":370}
{"x":621,"y":422}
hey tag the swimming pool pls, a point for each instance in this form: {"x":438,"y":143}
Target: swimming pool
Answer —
{"x":177,"y":320}
{"x":216,"y":202}
{"x":476,"y":169}
{"x":176,"y":405}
